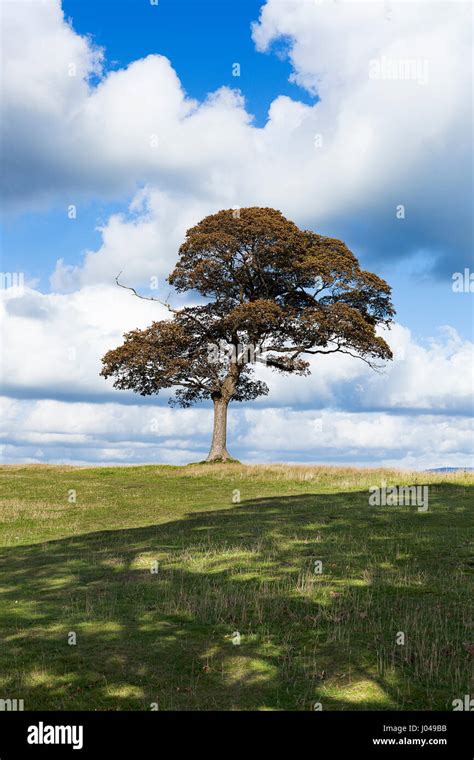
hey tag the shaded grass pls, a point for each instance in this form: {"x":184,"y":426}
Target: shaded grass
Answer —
{"x":225,"y":567}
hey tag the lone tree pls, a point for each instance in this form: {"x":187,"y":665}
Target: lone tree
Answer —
{"x":271,"y":294}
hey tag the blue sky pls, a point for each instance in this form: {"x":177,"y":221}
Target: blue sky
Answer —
{"x":225,"y":140}
{"x":202,"y":39}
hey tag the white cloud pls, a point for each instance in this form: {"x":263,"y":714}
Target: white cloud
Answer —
{"x":81,"y":433}
{"x":330,"y":436}
{"x":406,"y":383}
{"x":53,"y":344}
{"x":384,"y":142}
{"x":438,"y":376}
{"x":386,"y":139}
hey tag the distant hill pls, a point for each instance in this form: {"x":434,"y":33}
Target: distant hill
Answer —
{"x":451,"y":469}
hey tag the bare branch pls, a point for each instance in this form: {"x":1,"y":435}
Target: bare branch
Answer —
{"x":162,"y":303}
{"x":146,"y":298}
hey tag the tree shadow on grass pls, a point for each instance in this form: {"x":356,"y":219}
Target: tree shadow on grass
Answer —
{"x":156,"y":610}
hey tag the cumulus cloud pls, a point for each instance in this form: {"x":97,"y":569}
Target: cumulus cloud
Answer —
{"x":53,"y":344}
{"x":81,"y":433}
{"x":405,"y":384}
{"x":392,"y":78}
{"x":66,"y":134}
{"x":364,"y":439}
{"x":342,"y":165}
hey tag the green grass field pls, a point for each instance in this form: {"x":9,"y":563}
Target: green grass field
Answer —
{"x":225,"y":567}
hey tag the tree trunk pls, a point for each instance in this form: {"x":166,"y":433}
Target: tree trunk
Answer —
{"x":219,"y":434}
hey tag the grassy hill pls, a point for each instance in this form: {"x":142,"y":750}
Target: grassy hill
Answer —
{"x":225,"y":567}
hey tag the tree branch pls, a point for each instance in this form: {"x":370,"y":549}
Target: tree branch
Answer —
{"x":163,"y":303}
{"x":147,"y":298}
{"x":297,"y":350}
